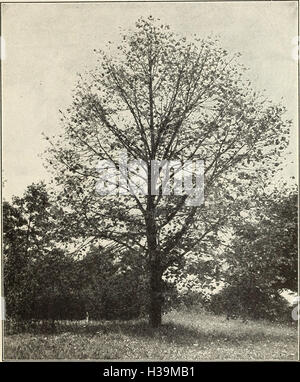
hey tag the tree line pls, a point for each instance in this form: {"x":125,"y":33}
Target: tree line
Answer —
{"x":45,"y":280}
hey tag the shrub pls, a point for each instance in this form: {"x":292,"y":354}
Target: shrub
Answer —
{"x":246,"y":300}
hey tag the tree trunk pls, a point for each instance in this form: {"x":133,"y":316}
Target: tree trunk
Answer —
{"x":155,"y":292}
{"x":155,"y":308}
{"x":155,"y":273}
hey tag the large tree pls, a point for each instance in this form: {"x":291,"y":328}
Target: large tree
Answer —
{"x":160,"y":97}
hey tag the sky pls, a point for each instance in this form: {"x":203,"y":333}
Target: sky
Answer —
{"x":46,"y":45}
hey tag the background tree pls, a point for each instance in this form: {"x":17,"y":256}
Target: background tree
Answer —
{"x":46,"y":281}
{"x":262,"y":259}
{"x":13,"y":258}
{"x":34,"y":265}
{"x":158,"y":96}
{"x":111,"y":287}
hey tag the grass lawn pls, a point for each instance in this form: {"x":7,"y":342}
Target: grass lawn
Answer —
{"x":183,"y":336}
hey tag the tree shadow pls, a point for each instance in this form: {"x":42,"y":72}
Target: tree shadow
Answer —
{"x":179,"y":334}
{"x":170,"y":333}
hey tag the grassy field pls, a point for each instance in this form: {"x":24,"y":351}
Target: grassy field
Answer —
{"x":183,"y":336}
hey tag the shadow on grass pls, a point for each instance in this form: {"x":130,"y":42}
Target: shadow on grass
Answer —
{"x":171,"y":333}
{"x":175,"y":333}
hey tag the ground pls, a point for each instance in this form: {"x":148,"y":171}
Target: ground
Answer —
{"x":183,"y":336}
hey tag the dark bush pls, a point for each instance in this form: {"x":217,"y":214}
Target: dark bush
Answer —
{"x":246,"y":300}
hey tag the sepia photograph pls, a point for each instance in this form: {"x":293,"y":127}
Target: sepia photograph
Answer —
{"x":150,"y":182}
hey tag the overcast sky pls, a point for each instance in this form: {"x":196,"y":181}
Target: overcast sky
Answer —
{"x":47,"y":44}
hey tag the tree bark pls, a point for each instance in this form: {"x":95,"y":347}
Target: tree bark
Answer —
{"x":155,"y":269}
{"x":154,"y":255}
{"x":155,"y":311}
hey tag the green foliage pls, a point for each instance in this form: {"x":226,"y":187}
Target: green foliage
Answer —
{"x":162,"y":97}
{"x":42,"y":281}
{"x":110,"y":288}
{"x":248,"y":300}
{"x":27,"y":238}
{"x":266,"y":242}
{"x":262,"y":259}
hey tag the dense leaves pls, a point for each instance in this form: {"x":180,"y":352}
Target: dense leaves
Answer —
{"x":44,"y":281}
{"x":159,"y":96}
{"x":262,"y":259}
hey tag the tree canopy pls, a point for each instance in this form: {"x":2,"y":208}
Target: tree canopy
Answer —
{"x":159,"y":96}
